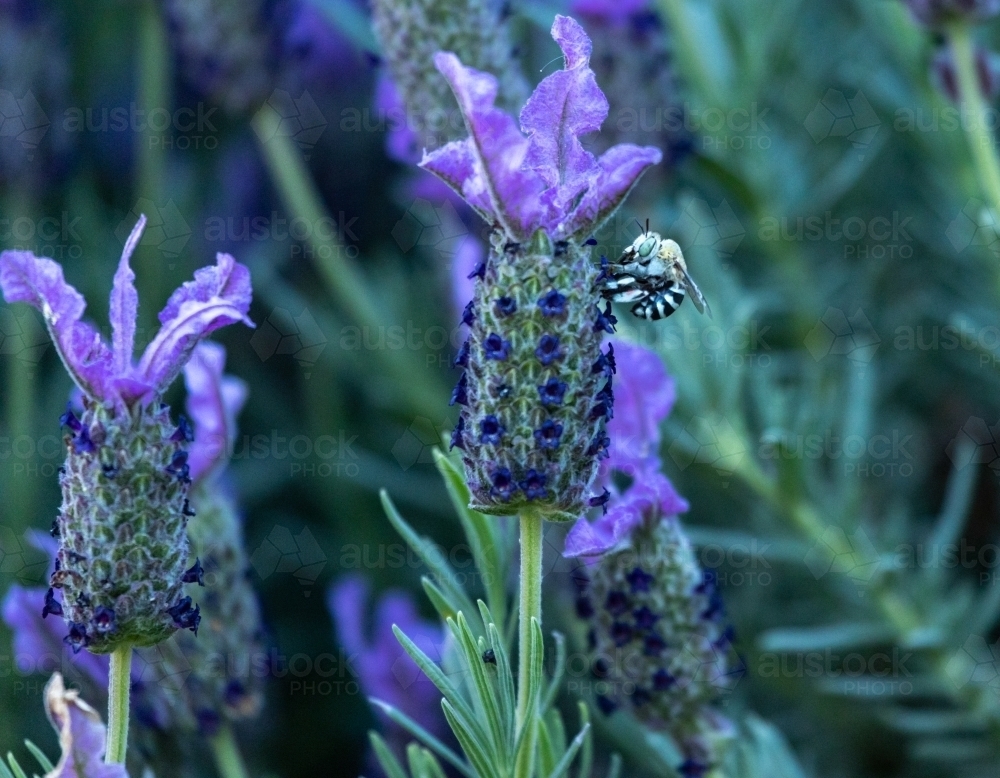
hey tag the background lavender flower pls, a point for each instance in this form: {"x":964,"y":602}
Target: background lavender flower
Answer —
{"x":212,"y":678}
{"x":411,"y":33}
{"x":633,"y":60}
{"x":228,"y":51}
{"x":383,"y":668}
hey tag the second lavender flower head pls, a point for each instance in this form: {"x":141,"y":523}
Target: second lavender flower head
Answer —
{"x":537,"y":389}
{"x":123,"y":554}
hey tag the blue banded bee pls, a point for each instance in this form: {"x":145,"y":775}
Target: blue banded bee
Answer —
{"x":652,"y":274}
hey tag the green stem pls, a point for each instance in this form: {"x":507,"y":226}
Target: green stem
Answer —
{"x":975,"y":112}
{"x":227,"y":755}
{"x":531,"y":604}
{"x":343,"y":281}
{"x":119,"y":680}
{"x":530,"y":611}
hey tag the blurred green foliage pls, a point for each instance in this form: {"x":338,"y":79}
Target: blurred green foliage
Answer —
{"x":836,"y":428}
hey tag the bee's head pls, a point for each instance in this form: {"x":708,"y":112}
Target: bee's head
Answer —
{"x":646,"y":246}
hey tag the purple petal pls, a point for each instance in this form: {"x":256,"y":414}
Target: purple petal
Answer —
{"x":218,"y":295}
{"x":82,"y":735}
{"x":565,"y":105}
{"x":487,"y":168}
{"x":619,"y":170}
{"x":39,"y":282}
{"x":125,"y":305}
{"x":644,"y":397}
{"x":213,"y":402}
{"x":650,"y":497}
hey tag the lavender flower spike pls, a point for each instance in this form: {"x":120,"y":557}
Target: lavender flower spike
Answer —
{"x":537,"y":389}
{"x":217,"y":296}
{"x":546,"y":180}
{"x":123,"y":554}
{"x":81,"y":735}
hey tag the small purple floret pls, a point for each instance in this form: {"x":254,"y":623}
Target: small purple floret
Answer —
{"x":552,"y":303}
{"x":548,"y":349}
{"x":549,"y":434}
{"x":52,"y":605}
{"x":496,"y":347}
{"x":194,"y":574}
{"x":552,"y":392}
{"x":104,"y":620}
{"x":534,"y":485}
{"x":491,"y":430}
{"x":503,"y":484}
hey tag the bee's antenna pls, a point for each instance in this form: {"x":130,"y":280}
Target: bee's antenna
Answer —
{"x":640,"y":223}
{"x":647,"y":227}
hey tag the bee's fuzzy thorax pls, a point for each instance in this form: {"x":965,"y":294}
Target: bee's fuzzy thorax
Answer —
{"x":536,"y":391}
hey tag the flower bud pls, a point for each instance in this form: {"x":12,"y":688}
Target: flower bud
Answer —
{"x":123,"y":546}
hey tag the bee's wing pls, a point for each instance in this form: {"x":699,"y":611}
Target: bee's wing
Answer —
{"x":696,"y":296}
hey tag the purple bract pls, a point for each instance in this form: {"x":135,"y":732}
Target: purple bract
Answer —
{"x":539,"y":176}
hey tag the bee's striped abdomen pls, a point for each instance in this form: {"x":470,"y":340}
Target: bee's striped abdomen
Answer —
{"x":660,"y":304}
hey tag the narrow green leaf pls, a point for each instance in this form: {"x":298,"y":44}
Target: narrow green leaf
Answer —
{"x":15,"y":767}
{"x":485,"y":695}
{"x":5,"y":771}
{"x":471,"y":744}
{"x":526,"y":738}
{"x":43,"y":760}
{"x":441,"y":572}
{"x":957,"y":498}
{"x":434,"y":769}
{"x":424,"y":737}
{"x":587,"y":754}
{"x":391,"y":765}
{"x":563,"y":766}
{"x":415,"y":761}
{"x":557,"y":673}
{"x":505,"y":680}
{"x":445,"y":607}
{"x":556,"y":731}
{"x":488,"y":549}
{"x":615,"y":770}
{"x":440,"y":680}
{"x":546,"y":750}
